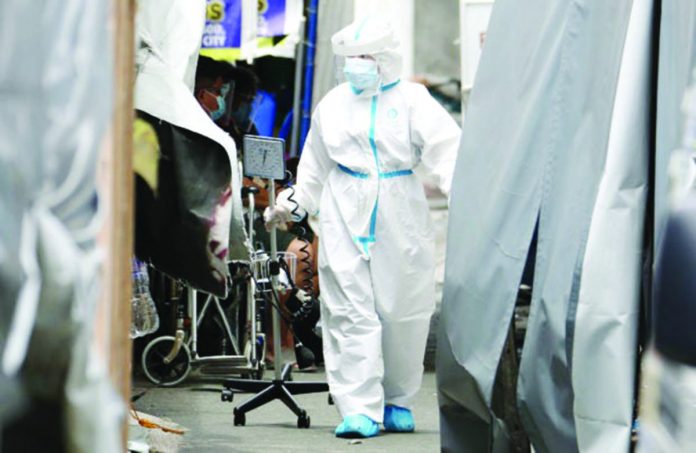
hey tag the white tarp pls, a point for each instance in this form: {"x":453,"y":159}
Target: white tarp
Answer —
{"x":606,"y":325}
{"x":677,"y":58}
{"x":535,"y":148}
{"x":668,"y":386}
{"x":56,"y":89}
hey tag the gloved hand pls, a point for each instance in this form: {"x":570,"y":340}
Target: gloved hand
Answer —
{"x":281,"y":214}
{"x":278,"y":217}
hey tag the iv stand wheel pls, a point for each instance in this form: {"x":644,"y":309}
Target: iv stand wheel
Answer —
{"x":303,"y":421}
{"x":239,"y":418}
{"x":165,"y":374}
{"x":227,"y":396}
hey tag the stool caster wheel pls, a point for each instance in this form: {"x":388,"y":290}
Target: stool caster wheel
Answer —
{"x":330,"y":400}
{"x":227,"y":396}
{"x":303,"y":421}
{"x":239,"y":418}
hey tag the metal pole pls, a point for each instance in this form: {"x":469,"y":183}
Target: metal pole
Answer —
{"x":251,"y":317}
{"x":297,"y":93}
{"x":251,"y":210}
{"x":193,"y":313}
{"x":309,"y":70}
{"x":251,"y":285}
{"x":277,"y":352}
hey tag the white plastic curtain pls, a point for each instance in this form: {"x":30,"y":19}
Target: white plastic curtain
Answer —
{"x":55,"y":108}
{"x":556,"y":133}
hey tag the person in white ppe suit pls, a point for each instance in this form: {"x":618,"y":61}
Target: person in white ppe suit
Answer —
{"x":376,"y":252}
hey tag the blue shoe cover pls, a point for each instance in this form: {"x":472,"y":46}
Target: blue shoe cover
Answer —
{"x":357,"y":427}
{"x":398,"y":420}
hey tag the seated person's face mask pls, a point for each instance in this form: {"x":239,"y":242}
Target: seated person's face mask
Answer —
{"x":362,"y":74}
{"x":217,"y":114}
{"x":214,"y":104}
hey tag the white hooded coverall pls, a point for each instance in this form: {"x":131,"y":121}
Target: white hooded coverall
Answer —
{"x":376,"y":253}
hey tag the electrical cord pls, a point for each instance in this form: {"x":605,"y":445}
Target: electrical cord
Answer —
{"x":305,"y":309}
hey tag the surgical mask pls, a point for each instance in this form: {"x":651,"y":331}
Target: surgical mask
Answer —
{"x":217,"y":114}
{"x":362,"y":74}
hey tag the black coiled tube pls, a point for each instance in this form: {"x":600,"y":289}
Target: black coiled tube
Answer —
{"x":300,"y":229}
{"x":305,"y":312}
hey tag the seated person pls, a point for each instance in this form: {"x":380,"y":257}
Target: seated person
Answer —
{"x":239,"y":122}
{"x":211,"y":90}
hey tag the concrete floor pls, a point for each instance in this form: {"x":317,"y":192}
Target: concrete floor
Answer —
{"x":196,"y":406}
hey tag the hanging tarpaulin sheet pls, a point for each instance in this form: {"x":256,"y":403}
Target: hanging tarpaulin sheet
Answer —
{"x":677,"y":61}
{"x":54,"y":129}
{"x":278,"y":29}
{"x":668,"y":384}
{"x":676,"y":151}
{"x":546,"y":123}
{"x":604,"y":352}
{"x":230,"y":29}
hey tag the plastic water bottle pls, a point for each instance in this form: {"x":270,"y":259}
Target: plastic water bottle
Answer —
{"x":136,"y":319}
{"x":144,"y":312}
{"x":148,"y":308}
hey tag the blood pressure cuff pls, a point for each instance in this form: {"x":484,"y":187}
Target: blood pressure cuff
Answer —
{"x":182,"y":199}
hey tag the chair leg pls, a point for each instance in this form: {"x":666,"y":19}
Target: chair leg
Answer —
{"x":265,"y":396}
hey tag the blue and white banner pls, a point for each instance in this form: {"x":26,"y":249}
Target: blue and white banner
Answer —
{"x":241,"y":29}
{"x":223,"y":27}
{"x":271,"y":18}
{"x":230,"y":29}
{"x":279,"y":18}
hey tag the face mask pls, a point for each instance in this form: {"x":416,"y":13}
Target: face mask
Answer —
{"x":217,"y":114}
{"x":362,"y":74}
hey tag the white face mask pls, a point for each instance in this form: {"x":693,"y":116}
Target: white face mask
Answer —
{"x":362,"y":74}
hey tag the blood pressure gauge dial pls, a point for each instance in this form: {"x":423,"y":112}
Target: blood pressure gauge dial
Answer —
{"x":263,"y":157}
